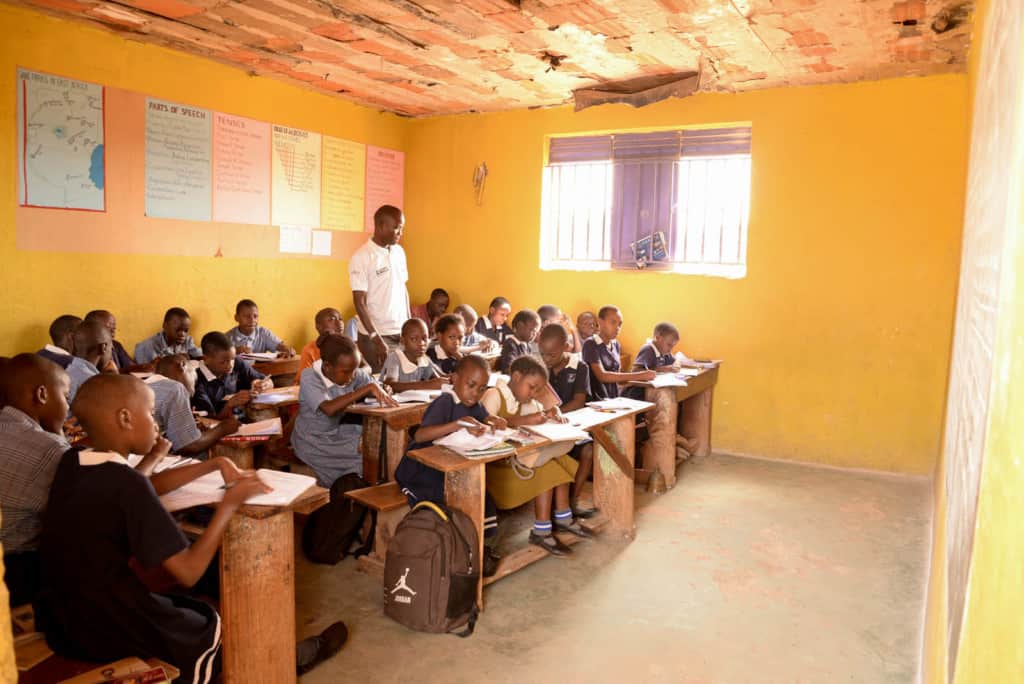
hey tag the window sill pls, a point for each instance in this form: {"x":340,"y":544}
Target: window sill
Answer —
{"x":728,"y":271}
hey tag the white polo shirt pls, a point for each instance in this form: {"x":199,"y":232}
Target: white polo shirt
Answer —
{"x":381,"y":273}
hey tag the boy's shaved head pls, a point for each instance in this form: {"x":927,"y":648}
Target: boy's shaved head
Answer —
{"x":94,"y":343}
{"x":116,"y":412}
{"x":38,"y":388}
{"x":62,"y":329}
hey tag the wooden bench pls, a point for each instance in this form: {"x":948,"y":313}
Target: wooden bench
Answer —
{"x":389,"y":505}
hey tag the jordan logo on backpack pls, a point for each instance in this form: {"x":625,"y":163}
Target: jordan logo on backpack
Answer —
{"x":401,"y":585}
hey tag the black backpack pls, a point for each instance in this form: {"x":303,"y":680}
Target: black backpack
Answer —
{"x":431,"y":571}
{"x":331,"y":529}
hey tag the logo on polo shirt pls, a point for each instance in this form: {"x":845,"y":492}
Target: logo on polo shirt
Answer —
{"x":381,"y":271}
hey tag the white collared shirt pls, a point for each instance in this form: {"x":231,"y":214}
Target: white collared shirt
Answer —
{"x":206,"y":372}
{"x":88,"y":457}
{"x":381,"y":272}
{"x":57,"y":350}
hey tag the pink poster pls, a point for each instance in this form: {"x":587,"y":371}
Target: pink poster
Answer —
{"x":241,"y":170}
{"x":385,"y":180}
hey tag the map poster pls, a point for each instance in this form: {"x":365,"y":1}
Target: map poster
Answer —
{"x":385,"y":180}
{"x":295,"y":177}
{"x":344,"y":181}
{"x":177,"y":161}
{"x":241,"y":170}
{"x":61,"y":142}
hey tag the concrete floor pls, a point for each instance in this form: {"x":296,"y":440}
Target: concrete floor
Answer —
{"x":747,"y":571}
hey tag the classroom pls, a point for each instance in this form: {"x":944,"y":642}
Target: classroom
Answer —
{"x":628,"y":340}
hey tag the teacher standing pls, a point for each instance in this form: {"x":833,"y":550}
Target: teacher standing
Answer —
{"x":377,"y":274}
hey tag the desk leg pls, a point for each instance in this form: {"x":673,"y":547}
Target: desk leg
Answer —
{"x":613,"y":489}
{"x":695,"y":421}
{"x":464,"y":491}
{"x":257,"y":592}
{"x":241,"y":455}
{"x":372,"y":426}
{"x":396,"y":439}
{"x":660,"y":450}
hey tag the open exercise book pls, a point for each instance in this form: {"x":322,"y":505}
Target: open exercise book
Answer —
{"x":559,"y":432}
{"x":258,"y":356}
{"x":619,"y":404}
{"x":487,"y":444}
{"x":276,"y":397}
{"x":208,"y":489}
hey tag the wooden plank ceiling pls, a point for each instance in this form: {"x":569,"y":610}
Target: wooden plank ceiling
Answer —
{"x":428,"y":57}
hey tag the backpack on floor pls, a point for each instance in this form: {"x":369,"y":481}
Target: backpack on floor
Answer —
{"x":431,"y":571}
{"x":331,"y":529}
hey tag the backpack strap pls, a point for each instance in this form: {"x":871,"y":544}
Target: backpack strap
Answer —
{"x":441,"y":513}
{"x":471,"y":625}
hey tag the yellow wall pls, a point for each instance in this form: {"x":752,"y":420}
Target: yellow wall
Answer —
{"x":991,"y":647}
{"x":836,"y":343}
{"x":39,"y":286}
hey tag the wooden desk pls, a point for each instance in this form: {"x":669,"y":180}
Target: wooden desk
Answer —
{"x":256,"y":411}
{"x":614,"y":449}
{"x":242,"y":454}
{"x":281,"y":366}
{"x":390,"y":425}
{"x":257,"y":591}
{"x":682,"y":411}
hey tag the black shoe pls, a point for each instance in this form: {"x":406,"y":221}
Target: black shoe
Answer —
{"x":576,"y":529}
{"x":581,"y":513}
{"x":491,"y":561}
{"x":330,"y":642}
{"x":551,"y":544}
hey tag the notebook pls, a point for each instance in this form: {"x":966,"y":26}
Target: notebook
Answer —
{"x":490,"y":443}
{"x":276,"y":397}
{"x":261,"y":428}
{"x":208,"y":489}
{"x":259,"y":356}
{"x":414,"y":396}
{"x":669,"y":380}
{"x":558,"y":432}
{"x":619,"y":404}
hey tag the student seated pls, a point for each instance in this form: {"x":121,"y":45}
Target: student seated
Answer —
{"x":101,"y":514}
{"x":121,"y":359}
{"x":92,"y":353}
{"x":473,"y":341}
{"x":173,"y":339}
{"x":525,"y":325}
{"x":250,"y":337}
{"x":603,"y":354}
{"x":321,"y":438}
{"x":570,"y":378}
{"x":443,"y":417}
{"x":435,"y":307}
{"x":222,"y":385}
{"x":549,"y":313}
{"x":327,"y":321}
{"x":62,"y":335}
{"x":409,"y":367}
{"x":446,"y":351}
{"x":493,"y":325}
{"x":586,"y":326}
{"x":515,"y":401}
{"x":35,"y":392}
{"x":173,"y":385}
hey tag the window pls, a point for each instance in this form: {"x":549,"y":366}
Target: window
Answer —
{"x":669,"y":200}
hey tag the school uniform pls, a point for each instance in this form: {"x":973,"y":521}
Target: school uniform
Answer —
{"x":211,"y":391}
{"x":609,"y":355}
{"x":420,"y":482}
{"x":152,"y":348}
{"x":120,"y":357}
{"x":647,"y":358}
{"x":573,"y":379}
{"x":173,"y":412}
{"x":79,"y":370}
{"x":398,"y":368}
{"x":327,"y":444}
{"x":58,"y":355}
{"x":259,"y":341}
{"x":102,"y":513}
{"x":446,"y":364}
{"x":472,"y":339}
{"x":504,"y":484}
{"x":309,"y":354}
{"x":487,"y":329}
{"x":28,"y":460}
{"x":420,"y":311}
{"x":511,"y":349}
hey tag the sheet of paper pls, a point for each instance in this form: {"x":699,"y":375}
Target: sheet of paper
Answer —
{"x":585,"y":417}
{"x":620,"y":403}
{"x":412,"y":396}
{"x":295,"y":177}
{"x":669,"y":380}
{"x":344,"y":184}
{"x":462,"y":441}
{"x":274,"y":398}
{"x":61,"y":153}
{"x":559,"y":432}
{"x":259,"y":356}
{"x":385,"y":181}
{"x":178,"y":150}
{"x":322,"y":242}
{"x":270,"y":426}
{"x":689,"y":372}
{"x":241,"y":170}
{"x":295,"y":240}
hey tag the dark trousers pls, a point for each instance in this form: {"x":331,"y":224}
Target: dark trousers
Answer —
{"x":21,"y":574}
{"x":368,"y":349}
